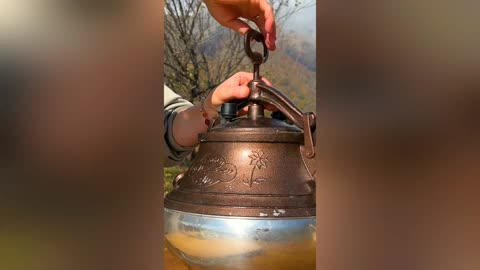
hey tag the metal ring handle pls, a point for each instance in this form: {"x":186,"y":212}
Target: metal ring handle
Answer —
{"x":256,"y":57}
{"x":177,"y":180}
{"x":261,"y":92}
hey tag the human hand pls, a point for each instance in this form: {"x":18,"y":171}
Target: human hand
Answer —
{"x":234,"y":87}
{"x":229,"y":12}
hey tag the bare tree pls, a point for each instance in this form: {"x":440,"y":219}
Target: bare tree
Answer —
{"x":199,"y":53}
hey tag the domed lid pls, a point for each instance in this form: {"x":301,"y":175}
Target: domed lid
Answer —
{"x":255,"y":127}
{"x":252,"y":166}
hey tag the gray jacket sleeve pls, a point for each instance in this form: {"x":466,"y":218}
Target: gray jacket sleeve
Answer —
{"x":173,"y":104}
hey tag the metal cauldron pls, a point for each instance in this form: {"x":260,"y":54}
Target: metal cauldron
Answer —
{"x":248,"y":199}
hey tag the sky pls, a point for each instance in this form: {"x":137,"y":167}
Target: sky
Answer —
{"x":303,"y":22}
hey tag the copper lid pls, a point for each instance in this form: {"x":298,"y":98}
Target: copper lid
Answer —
{"x":261,"y":129}
{"x":254,"y":166}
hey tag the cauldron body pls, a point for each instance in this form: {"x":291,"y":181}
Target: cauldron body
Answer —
{"x":221,"y":242}
{"x":248,"y":199}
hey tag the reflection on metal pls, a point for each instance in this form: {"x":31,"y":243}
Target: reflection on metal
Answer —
{"x":215,"y":242}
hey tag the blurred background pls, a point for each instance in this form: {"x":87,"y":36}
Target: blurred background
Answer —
{"x":397,"y":99}
{"x":80,"y":128}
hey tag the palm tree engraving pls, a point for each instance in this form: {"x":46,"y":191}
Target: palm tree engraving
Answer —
{"x":259,"y":161}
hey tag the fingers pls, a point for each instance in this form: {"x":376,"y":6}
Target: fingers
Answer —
{"x":268,"y":107}
{"x":260,"y":22}
{"x":224,"y":94}
{"x":237,"y":25}
{"x":243,"y":111}
{"x":266,"y":81}
{"x":266,"y":24}
{"x":234,"y":88}
{"x":229,"y":12}
{"x":271,"y":108}
{"x":242,"y":27}
{"x":270,"y":39}
{"x":245,"y":77}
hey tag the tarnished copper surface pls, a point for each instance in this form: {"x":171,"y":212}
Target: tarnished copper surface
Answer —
{"x":245,"y":179}
{"x":255,"y":165}
{"x":252,"y":166}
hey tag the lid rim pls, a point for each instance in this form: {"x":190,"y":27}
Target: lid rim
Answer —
{"x":280,"y":137}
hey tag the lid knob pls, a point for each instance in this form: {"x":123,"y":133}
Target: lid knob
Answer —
{"x":229,"y":111}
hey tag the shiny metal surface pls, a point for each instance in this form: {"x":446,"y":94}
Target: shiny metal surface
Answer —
{"x":218,"y":243}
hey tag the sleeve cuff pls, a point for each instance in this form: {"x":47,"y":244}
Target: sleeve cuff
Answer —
{"x":176,"y":153}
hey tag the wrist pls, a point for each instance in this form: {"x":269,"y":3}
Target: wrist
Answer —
{"x":208,"y":111}
{"x":208,"y":106}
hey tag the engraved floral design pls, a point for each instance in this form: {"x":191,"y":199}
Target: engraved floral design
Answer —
{"x":211,"y":170}
{"x":259,"y":161}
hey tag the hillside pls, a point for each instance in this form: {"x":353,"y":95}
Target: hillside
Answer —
{"x":292,"y":69}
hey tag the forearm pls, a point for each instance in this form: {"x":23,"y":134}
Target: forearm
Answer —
{"x":190,"y":122}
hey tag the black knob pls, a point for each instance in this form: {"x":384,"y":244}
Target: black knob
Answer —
{"x":279,"y":115}
{"x":229,"y":111}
